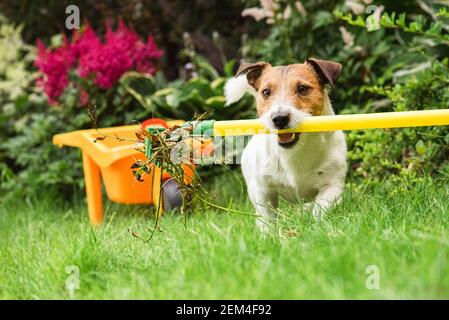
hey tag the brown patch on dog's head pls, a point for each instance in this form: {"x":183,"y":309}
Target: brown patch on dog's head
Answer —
{"x":300,"y":85}
{"x":253,"y":72}
{"x":296,"y":84}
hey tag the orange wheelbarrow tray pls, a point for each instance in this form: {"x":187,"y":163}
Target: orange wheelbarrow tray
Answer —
{"x":111,"y":160}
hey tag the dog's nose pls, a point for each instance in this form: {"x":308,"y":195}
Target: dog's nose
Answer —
{"x":281,"y":121}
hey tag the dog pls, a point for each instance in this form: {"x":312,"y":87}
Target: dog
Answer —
{"x":305,"y":167}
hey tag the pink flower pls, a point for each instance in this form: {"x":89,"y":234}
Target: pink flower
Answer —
{"x":122,"y":51}
{"x":83,"y":42}
{"x":104,"y":62}
{"x":144,"y":55}
{"x":54,"y":66}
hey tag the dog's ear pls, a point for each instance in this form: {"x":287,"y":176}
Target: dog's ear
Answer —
{"x":246,"y":80}
{"x":252,"y":71}
{"x":328,"y":71}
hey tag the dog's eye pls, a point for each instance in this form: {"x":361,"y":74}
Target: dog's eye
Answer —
{"x":302,"y":90}
{"x":266,"y":92}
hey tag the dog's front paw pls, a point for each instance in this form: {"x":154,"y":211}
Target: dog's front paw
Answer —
{"x":314,"y":208}
{"x":318,"y":211}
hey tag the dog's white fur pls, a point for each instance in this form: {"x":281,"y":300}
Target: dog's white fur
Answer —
{"x":314,"y":169}
{"x":236,"y":88}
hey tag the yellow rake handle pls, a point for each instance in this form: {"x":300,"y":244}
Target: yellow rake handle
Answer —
{"x":399,"y":119}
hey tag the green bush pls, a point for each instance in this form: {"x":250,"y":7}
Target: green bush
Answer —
{"x":187,"y":99}
{"x":410,"y":151}
{"x":15,"y":79}
{"x":377,"y":153}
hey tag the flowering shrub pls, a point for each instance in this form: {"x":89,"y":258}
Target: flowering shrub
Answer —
{"x":83,"y":68}
{"x":102,"y":62}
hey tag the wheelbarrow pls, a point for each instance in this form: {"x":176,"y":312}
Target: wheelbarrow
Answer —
{"x":110,"y":160}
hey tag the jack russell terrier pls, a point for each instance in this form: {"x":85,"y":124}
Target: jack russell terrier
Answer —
{"x":307,"y":166}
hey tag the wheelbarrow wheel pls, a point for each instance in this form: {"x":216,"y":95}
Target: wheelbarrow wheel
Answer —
{"x":171,"y":196}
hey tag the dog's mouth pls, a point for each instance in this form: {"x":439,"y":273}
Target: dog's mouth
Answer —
{"x":288,"y":139}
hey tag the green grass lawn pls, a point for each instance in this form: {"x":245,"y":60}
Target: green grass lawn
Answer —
{"x":401,"y":228}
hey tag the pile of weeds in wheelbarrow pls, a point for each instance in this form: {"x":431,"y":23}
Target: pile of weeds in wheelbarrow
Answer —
{"x":174,"y":150}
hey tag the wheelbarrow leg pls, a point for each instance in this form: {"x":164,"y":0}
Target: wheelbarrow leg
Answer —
{"x":92,"y":180}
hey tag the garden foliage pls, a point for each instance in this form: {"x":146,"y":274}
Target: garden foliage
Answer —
{"x":71,"y":74}
{"x":419,"y":86}
{"x":393,"y":53}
